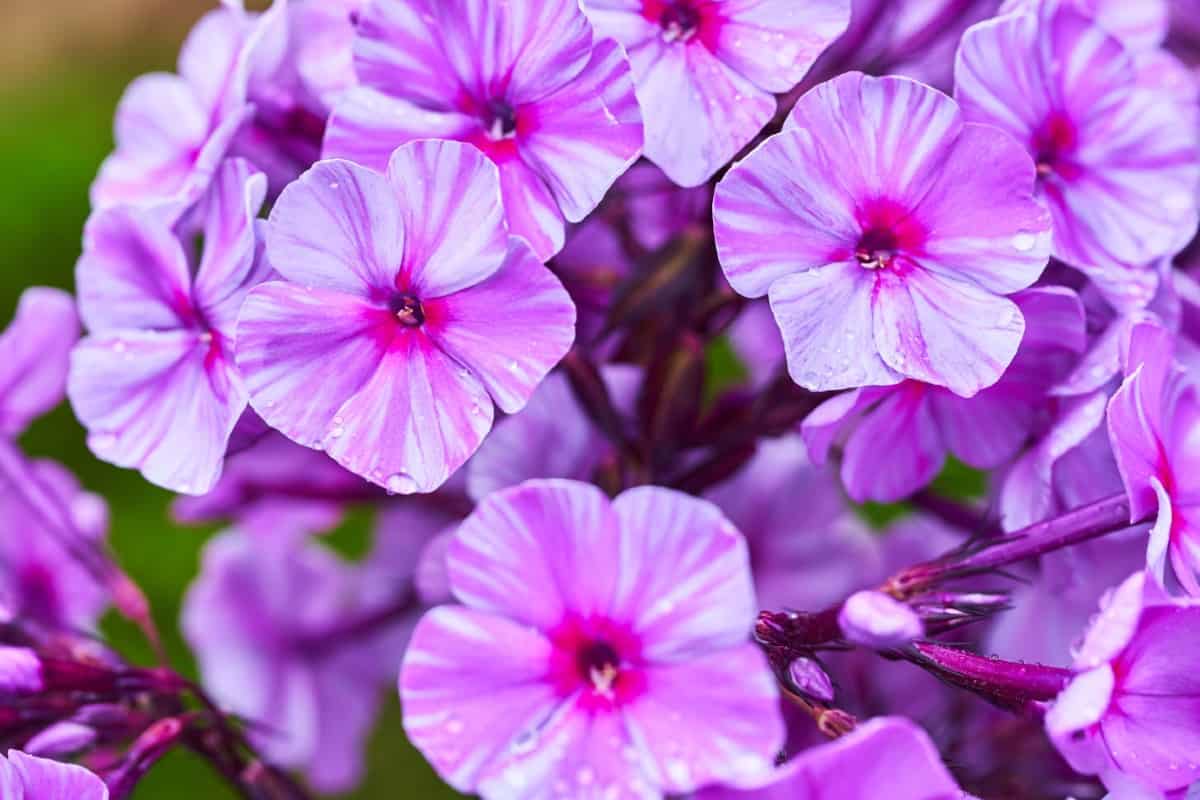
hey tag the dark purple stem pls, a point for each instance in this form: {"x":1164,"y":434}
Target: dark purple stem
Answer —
{"x":1009,"y":684}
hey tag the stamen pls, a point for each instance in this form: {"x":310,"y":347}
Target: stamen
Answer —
{"x":407,"y":309}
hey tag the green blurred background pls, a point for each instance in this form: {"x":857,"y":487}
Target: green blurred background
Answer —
{"x":63,"y":65}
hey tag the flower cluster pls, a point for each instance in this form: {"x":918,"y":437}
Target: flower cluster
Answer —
{"x":624,"y":319}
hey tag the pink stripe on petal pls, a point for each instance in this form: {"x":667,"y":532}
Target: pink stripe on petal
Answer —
{"x":538,"y":552}
{"x":162,"y":402}
{"x":533,"y":213}
{"x":472,"y":687}
{"x":338,"y":227}
{"x":303,"y":354}
{"x":586,"y":134}
{"x":417,"y":419}
{"x":509,"y":330}
{"x":699,"y":595}
{"x":945,"y":332}
{"x":451,"y":214}
{"x":826,"y":317}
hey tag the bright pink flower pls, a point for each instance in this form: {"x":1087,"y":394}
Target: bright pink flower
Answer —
{"x":525,"y":82}
{"x":406,"y":310}
{"x":1118,"y":162}
{"x":707,"y":70}
{"x":885,"y":250}
{"x":572,"y":669}
{"x":154,"y":382}
{"x":1131,"y":715}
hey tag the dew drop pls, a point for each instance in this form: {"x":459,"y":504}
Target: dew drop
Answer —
{"x":585,"y":776}
{"x":1024,"y":242}
{"x":337,"y":432}
{"x":400,"y":483}
{"x":454,"y":726}
{"x":678,"y":771}
{"x":119,"y":346}
{"x":104,"y":441}
{"x":334,"y":185}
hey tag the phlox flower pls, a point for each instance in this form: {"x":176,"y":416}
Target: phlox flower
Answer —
{"x":1154,"y":425}
{"x":919,"y":424}
{"x":173,"y":130}
{"x":406,"y":309}
{"x":526,"y":82}
{"x":1131,"y":714}
{"x":885,"y":250}
{"x":26,"y":777}
{"x":34,"y":357}
{"x":707,"y":70}
{"x":885,"y":757}
{"x":1140,"y":26}
{"x":601,"y":650}
{"x":264,"y":617}
{"x":1118,"y":162}
{"x":154,"y":381}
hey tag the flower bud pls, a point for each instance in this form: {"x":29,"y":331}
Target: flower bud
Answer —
{"x":873,"y":619}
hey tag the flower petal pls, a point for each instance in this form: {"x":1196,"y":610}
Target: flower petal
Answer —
{"x":338,"y":227}
{"x":451,"y":215}
{"x":944,"y":331}
{"x":826,"y":318}
{"x":511,"y":329}
{"x":227,"y":266}
{"x":472,"y":686}
{"x":585,"y":135}
{"x":44,"y":779}
{"x":793,"y":33}
{"x":699,"y":597}
{"x":903,"y":426}
{"x":368,"y":125}
{"x":34,"y":355}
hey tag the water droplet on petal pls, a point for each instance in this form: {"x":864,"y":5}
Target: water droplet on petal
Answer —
{"x":1024,"y":242}
{"x":119,"y":346}
{"x":585,"y":776}
{"x":400,"y":483}
{"x":454,"y":726}
{"x":678,"y":771}
{"x":104,"y":441}
{"x":337,"y":432}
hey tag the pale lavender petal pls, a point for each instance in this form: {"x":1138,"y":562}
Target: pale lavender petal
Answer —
{"x":20,"y":671}
{"x":473,"y":685}
{"x":987,"y":430}
{"x":451,"y":216}
{"x":523,"y":552}
{"x":712,"y":719}
{"x":303,"y":354}
{"x":161,"y":402}
{"x":338,"y":227}
{"x":368,"y":125}
{"x":774,"y":42}
{"x":944,"y":331}
{"x":34,"y":353}
{"x":786,"y":208}
{"x":44,"y":779}
{"x":417,"y":419}
{"x":208,"y":59}
{"x":832,"y":305}
{"x":1134,"y":421}
{"x":700,"y":597}
{"x":133,"y":273}
{"x":510,"y":330}
{"x":1080,"y":706}
{"x":533,"y":214}
{"x":583,"y":136}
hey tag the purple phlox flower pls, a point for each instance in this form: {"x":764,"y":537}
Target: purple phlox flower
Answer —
{"x":154,"y":381}
{"x":42,"y":582}
{"x":34,"y":354}
{"x":568,"y":444}
{"x":571,"y":670}
{"x":884,"y":757}
{"x":323,"y":50}
{"x":707,"y":70}
{"x":276,"y":474}
{"x":918,"y":424}
{"x":802,"y":561}
{"x":527,"y":83}
{"x":266,"y":619}
{"x":1131,"y":714}
{"x":885,"y":251}
{"x":1118,"y":162}
{"x":1055,"y":604}
{"x":173,"y":131}
{"x":407,"y":310}
{"x":1153,"y":424}
{"x":26,"y":777}
{"x":1140,"y":26}
{"x":659,"y":210}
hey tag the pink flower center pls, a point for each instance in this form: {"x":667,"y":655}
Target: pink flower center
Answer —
{"x":1052,"y":144}
{"x":679,"y":22}
{"x":876,"y":249}
{"x":407,"y":309}
{"x":597,"y":659}
{"x":600,"y":665}
{"x":500,"y":121}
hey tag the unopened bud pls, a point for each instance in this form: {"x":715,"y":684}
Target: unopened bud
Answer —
{"x":873,"y":619}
